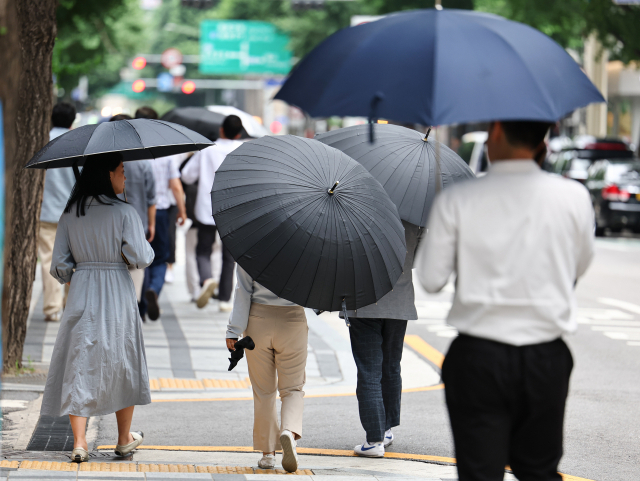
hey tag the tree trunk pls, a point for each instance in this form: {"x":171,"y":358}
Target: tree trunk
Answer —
{"x":27,"y":34}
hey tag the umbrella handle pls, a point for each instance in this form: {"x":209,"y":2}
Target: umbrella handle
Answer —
{"x":344,"y":312}
{"x":76,"y":171}
{"x":372,"y":114}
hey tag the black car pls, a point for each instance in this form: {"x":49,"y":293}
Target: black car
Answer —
{"x":573,"y":163}
{"x":614,"y":186}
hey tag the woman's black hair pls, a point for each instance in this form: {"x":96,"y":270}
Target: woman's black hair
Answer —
{"x":95,"y":182}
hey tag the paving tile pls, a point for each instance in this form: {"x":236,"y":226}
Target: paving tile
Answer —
{"x":113,"y":476}
{"x":228,"y":477}
{"x":39,"y":475}
{"x":172,"y":476}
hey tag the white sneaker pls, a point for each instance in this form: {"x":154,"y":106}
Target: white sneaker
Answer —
{"x":388,"y":438}
{"x":168,"y":276}
{"x":206,"y":292}
{"x":375,"y":450}
{"x":289,"y":454}
{"x":225,"y":306}
{"x":268,"y":461}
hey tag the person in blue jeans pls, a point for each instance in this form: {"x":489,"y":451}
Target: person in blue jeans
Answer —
{"x":377,"y":339}
{"x":167,"y":181}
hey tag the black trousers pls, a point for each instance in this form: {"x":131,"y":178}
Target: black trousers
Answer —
{"x":506,"y":405}
{"x":173,"y":218}
{"x":204,"y":248}
{"x":377,"y":349}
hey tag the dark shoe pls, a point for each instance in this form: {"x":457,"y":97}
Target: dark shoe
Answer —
{"x":153,"y":310}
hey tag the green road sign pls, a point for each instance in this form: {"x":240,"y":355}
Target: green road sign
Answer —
{"x":242,"y":47}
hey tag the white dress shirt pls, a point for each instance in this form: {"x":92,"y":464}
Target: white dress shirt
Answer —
{"x":518,"y":239}
{"x":248,"y":291}
{"x":165,"y":169}
{"x":202,"y":168}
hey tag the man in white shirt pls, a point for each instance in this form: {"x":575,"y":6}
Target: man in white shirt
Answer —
{"x":517,"y":239}
{"x":202,"y":168}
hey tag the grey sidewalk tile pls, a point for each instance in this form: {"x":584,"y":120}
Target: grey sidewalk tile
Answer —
{"x":172,"y":476}
{"x":267,"y":477}
{"x":40,"y":475}
{"x":228,"y":477}
{"x":342,"y":477}
{"x":107,"y":476}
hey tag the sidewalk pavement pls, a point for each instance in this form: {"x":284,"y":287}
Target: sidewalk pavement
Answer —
{"x":188,"y":361}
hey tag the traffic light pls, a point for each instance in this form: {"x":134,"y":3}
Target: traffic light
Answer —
{"x":188,"y":87}
{"x":307,"y":4}
{"x":138,"y":86}
{"x":200,"y":4}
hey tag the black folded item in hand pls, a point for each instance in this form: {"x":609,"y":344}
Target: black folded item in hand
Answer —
{"x":241,"y":345}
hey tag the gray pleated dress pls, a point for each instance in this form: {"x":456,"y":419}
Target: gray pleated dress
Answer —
{"x":99,"y":364}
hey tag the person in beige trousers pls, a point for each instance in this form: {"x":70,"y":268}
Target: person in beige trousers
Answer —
{"x":277,"y":364}
{"x":57,"y":188}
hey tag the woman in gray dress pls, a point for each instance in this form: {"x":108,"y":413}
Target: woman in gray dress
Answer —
{"x":99,"y":364}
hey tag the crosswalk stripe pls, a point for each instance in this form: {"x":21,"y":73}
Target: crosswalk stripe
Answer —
{"x":425,"y":349}
{"x":621,"y":304}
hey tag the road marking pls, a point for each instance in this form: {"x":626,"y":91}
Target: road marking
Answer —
{"x":621,"y":304}
{"x":421,"y":347}
{"x":172,"y":384}
{"x":436,"y":387}
{"x":311,"y":451}
{"x":13,"y":403}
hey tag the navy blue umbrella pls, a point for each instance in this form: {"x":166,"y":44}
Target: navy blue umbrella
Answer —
{"x":437,"y":67}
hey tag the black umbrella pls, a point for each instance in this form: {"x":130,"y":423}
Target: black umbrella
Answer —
{"x":404,"y":162}
{"x":200,"y":120}
{"x":135,"y":139}
{"x":308,"y":223}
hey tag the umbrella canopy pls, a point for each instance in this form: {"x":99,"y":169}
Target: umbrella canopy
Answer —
{"x":252,"y":127}
{"x":207,"y":121}
{"x":308,"y":223}
{"x":135,"y":139}
{"x":404,"y":162}
{"x":437,"y":67}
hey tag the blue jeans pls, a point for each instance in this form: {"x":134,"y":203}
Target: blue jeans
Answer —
{"x":154,"y":274}
{"x":377,"y":349}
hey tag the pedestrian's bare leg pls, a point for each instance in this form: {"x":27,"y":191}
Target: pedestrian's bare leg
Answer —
{"x":124,"y":417}
{"x":79,"y":428}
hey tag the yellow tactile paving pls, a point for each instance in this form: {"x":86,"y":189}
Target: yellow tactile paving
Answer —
{"x":9,"y":464}
{"x":48,"y":466}
{"x":109,"y":467}
{"x":171,"y":383}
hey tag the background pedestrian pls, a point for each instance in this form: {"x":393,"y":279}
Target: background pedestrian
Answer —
{"x":141,"y":194}
{"x":167,"y":182}
{"x":98,"y":365}
{"x":517,"y":240}
{"x":279,"y":329}
{"x":377,"y":339}
{"x":202,"y":168}
{"x":57,"y":188}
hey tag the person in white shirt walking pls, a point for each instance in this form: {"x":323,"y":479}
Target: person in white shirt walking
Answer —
{"x":202,"y":168}
{"x":517,"y":239}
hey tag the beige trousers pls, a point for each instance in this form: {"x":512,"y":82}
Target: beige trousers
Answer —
{"x":52,"y":290}
{"x":278,"y":362}
{"x":137,"y":276}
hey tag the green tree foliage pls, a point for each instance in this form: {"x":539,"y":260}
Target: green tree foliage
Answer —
{"x":388,"y":6}
{"x":95,"y":38}
{"x":569,"y":22}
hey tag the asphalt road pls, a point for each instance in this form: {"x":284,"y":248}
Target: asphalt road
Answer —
{"x":602,"y":428}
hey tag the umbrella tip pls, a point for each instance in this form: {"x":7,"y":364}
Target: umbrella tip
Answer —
{"x":426,"y":137}
{"x":330,"y":191}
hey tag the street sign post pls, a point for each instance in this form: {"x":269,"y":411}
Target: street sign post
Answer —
{"x":243,"y":47}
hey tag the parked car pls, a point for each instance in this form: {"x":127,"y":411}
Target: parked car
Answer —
{"x":614,"y":185}
{"x":573,"y":162}
{"x":472,"y":151}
